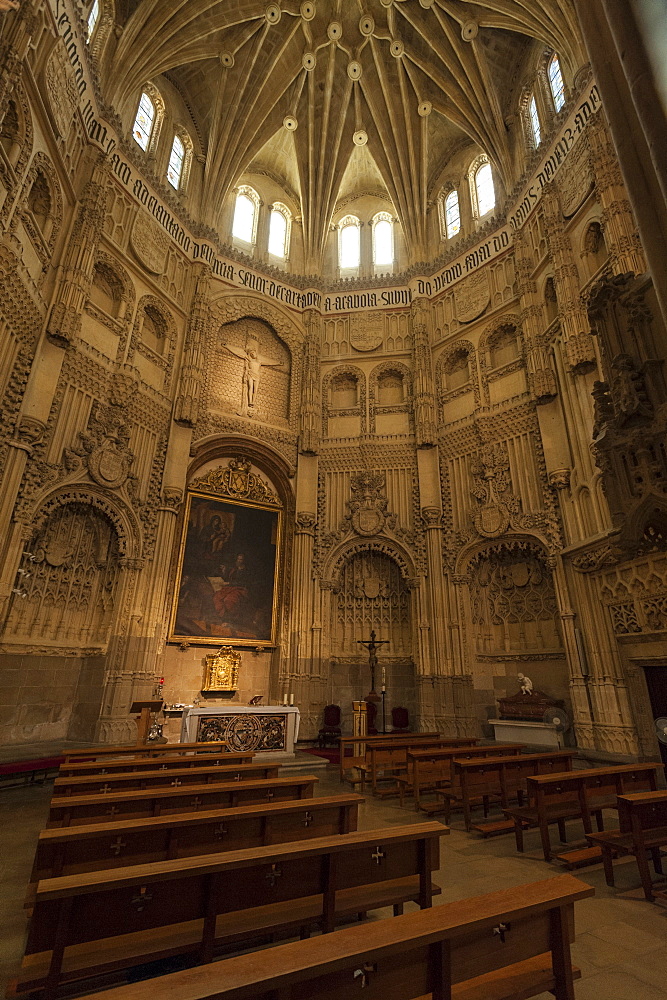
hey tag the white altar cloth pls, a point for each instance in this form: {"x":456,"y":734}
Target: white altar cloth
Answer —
{"x":262,"y":728}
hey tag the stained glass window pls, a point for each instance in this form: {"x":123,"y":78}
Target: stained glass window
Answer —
{"x":486,"y":195}
{"x":143,"y":123}
{"x":277,"y":233}
{"x":383,"y":242}
{"x":452,"y":214}
{"x":534,"y":121}
{"x":350,"y":249}
{"x":243,"y":227}
{"x":176,"y":159}
{"x":556,"y":83}
{"x":93,"y":16}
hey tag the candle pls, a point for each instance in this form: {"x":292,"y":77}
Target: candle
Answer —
{"x":285,"y":699}
{"x":383,"y":689}
{"x":384,"y":677}
{"x":291,"y":698}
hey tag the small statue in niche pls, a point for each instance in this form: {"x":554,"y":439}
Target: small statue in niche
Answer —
{"x":525,"y":684}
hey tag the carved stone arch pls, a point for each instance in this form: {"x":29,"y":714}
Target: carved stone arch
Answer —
{"x":119,"y":513}
{"x":645,"y":528}
{"x":21,"y":131}
{"x":490,"y":334}
{"x":232,"y":307}
{"x":542,"y":80}
{"x":44,"y":238}
{"x":127,"y":294}
{"x":374,"y":406}
{"x":385,"y":546}
{"x":445,"y":359}
{"x":166,"y":361}
{"x":355,"y":411}
{"x":473,"y":549}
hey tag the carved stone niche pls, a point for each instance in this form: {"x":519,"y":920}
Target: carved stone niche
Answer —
{"x":528,"y":707}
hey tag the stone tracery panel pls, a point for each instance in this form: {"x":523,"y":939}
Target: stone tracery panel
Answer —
{"x":371,"y":593}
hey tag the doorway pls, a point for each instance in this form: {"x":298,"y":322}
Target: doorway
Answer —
{"x":656,"y":682}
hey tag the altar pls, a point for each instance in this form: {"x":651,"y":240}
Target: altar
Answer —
{"x":261,"y":728}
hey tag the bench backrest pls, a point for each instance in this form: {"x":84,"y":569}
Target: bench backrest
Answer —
{"x":97,"y":906}
{"x":381,"y":754}
{"x":124,"y":765}
{"x":509,"y":774}
{"x":417,"y":955}
{"x":595,"y":785}
{"x":424,"y":765}
{"x":68,"y":810}
{"x":353,"y":749}
{"x":95,"y":846}
{"x":642,"y":811}
{"x":142,"y":750}
{"x":90,"y":784}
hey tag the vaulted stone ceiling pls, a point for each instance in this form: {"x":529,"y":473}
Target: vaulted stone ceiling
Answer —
{"x":410,"y":79}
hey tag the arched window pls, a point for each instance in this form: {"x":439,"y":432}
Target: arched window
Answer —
{"x":176,"y":160}
{"x":350,"y":242}
{"x":452,"y":214}
{"x":534,"y":120}
{"x":279,"y":230}
{"x":483,"y":191}
{"x":244,"y":226}
{"x":383,"y":240}
{"x":556,"y":82}
{"x":93,"y":17}
{"x":144,"y":121}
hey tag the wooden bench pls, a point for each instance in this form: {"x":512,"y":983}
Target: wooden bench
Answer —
{"x":95,"y":846}
{"x":68,"y":810}
{"x":357,"y":747}
{"x":384,"y":761}
{"x":498,"y":778}
{"x":555,"y":798}
{"x":89,"y":784}
{"x":141,"y":750}
{"x":507,"y":945}
{"x":98,"y":923}
{"x":642,"y":831}
{"x":125,"y":765}
{"x":429,"y":770}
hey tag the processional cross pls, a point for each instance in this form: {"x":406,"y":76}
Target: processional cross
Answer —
{"x":372,"y":645}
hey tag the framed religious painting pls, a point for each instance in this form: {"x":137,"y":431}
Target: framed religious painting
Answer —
{"x":227,"y":574}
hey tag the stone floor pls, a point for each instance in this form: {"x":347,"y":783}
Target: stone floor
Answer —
{"x":621,"y":944}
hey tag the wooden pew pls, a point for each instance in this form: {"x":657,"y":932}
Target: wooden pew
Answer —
{"x":141,"y":750}
{"x":89,"y":784}
{"x":69,"y":810}
{"x":555,"y":798}
{"x":353,"y":760}
{"x":87,"y":925}
{"x":432,"y":769}
{"x":500,"y":778}
{"x":384,"y":760}
{"x":507,"y":945}
{"x":125,"y":765}
{"x":642,"y":831}
{"x":73,"y":849}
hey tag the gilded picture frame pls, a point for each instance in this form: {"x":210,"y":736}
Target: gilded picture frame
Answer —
{"x":221,"y":672}
{"x":226,"y":587}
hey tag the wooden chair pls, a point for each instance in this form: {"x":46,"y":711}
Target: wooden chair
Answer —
{"x":330,"y":731}
{"x":68,"y":810}
{"x":400,"y":720}
{"x":93,"y":925}
{"x":95,"y":846}
{"x":642,"y":832}
{"x":507,"y":945}
{"x":371,"y":715}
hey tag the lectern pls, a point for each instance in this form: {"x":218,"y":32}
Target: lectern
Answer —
{"x":144,"y":708}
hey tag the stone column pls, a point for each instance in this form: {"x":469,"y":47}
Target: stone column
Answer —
{"x":186,"y":408}
{"x":620,"y":228}
{"x":577,"y":341}
{"x":64,"y":322}
{"x":311,"y":403}
{"x":426,"y":428}
{"x":304,"y":671}
{"x":541,"y":376}
{"x":123,"y":682}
